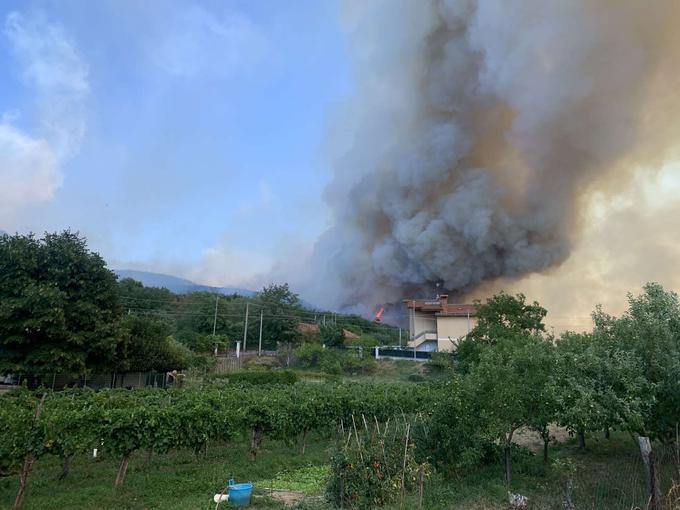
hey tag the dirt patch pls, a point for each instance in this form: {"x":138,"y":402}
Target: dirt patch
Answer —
{"x":288,"y":498}
{"x":532,"y":439}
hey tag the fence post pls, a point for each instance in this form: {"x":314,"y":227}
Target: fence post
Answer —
{"x":651,"y":480}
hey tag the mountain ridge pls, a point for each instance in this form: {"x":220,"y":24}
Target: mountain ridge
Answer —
{"x":176,"y":284}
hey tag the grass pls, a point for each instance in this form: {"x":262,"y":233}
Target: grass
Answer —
{"x":174,"y":481}
{"x":608,"y":475}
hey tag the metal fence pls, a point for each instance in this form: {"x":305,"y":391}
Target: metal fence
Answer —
{"x":395,"y":352}
{"x":129,"y":380}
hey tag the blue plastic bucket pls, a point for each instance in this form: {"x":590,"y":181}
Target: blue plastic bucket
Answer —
{"x":239,"y":493}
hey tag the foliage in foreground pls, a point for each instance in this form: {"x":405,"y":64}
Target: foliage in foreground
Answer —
{"x":58,"y":306}
{"x":373,"y":465}
{"x":123,"y":422}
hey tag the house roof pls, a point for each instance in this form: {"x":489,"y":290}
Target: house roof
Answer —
{"x":441,"y":307}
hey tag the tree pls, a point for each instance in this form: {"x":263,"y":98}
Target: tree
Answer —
{"x":650,"y":330}
{"x":510,"y":383}
{"x":332,"y":335}
{"x":59,"y":309}
{"x":281,"y":308}
{"x":150,"y":346}
{"x":502,"y":317}
{"x":135,"y":296}
{"x":598,"y":385}
{"x":199,"y":314}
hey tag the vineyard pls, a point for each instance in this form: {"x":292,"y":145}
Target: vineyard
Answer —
{"x":120,"y":422}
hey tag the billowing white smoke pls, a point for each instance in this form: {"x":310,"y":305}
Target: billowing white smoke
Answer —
{"x":477,"y":130}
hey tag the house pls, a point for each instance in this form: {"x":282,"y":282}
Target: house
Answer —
{"x":436,"y":324}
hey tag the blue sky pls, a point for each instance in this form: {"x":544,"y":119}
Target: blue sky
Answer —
{"x":178,"y":136}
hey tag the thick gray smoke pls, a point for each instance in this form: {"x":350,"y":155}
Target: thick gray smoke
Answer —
{"x":479,"y":128}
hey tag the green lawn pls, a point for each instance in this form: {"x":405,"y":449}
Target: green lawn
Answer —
{"x":174,"y":481}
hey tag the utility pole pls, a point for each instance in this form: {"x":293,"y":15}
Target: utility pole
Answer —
{"x":413,"y":322}
{"x":215,"y":316}
{"x":215,"y":323}
{"x":259,"y":347}
{"x":245,"y":329}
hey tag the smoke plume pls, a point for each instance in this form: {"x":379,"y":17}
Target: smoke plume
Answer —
{"x":479,"y":130}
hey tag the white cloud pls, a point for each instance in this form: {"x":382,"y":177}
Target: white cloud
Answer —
{"x":29,"y":170}
{"x":199,"y":42}
{"x":30,"y":163}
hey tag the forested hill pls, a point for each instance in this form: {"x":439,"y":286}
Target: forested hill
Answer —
{"x":176,"y":284}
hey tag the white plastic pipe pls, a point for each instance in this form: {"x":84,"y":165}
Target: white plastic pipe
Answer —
{"x":218,"y":498}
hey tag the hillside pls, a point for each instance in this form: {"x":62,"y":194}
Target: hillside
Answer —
{"x":176,"y":284}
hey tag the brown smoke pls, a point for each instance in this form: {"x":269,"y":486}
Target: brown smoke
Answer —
{"x":478,"y":132}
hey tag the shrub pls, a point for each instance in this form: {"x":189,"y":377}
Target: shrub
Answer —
{"x":263,"y":362}
{"x":259,"y":377}
{"x":308,"y":355}
{"x":369,"y":470}
{"x":332,"y":335}
{"x":439,"y":362}
{"x":352,"y":364}
{"x":457,"y":434}
{"x":366,"y":341}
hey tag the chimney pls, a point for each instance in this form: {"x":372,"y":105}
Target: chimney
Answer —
{"x":444,"y":300}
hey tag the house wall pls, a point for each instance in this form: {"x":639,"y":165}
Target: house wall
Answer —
{"x":420,"y":322}
{"x":453,"y":328}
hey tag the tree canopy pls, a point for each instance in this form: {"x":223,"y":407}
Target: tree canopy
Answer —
{"x":59,"y":307}
{"x":504,"y":315}
{"x":650,"y":331}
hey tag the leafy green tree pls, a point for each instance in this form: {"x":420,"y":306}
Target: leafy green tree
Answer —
{"x":59,"y":309}
{"x":457,"y":435}
{"x":134,"y":296}
{"x":510,"y":383}
{"x":150,"y":346}
{"x":281,"y":314}
{"x":332,"y":335}
{"x":598,"y":385}
{"x":502,"y":317}
{"x":198,"y":314}
{"x":650,"y":330}
{"x":202,"y":343}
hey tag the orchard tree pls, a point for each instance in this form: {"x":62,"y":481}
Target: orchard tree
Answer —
{"x":511,"y":383}
{"x":59,"y":307}
{"x":599,"y":386}
{"x":650,"y":330}
{"x":502,"y":317}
